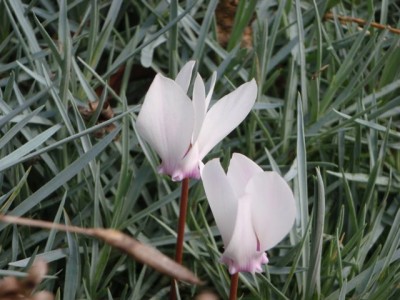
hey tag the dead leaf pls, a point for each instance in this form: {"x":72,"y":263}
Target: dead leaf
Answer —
{"x":12,"y":288}
{"x":135,"y":249}
{"x":225,"y":17}
{"x":207,"y":295}
{"x":146,"y":254}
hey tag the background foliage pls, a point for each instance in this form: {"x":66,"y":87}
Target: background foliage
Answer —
{"x":326,"y":118}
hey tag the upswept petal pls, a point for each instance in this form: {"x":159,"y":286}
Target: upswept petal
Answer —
{"x":185,"y":75}
{"x":166,"y":121}
{"x":225,"y":116}
{"x":273,"y":208}
{"x":211,"y":90}
{"x":199,"y":105}
{"x":240,"y":170}
{"x":241,"y":252}
{"x":221,"y":198}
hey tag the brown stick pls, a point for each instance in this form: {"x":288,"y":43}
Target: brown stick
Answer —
{"x":135,"y":249}
{"x":44,"y":224}
{"x":182,"y":220}
{"x":234,"y":286}
{"x":362,"y":22}
{"x":181,"y":230}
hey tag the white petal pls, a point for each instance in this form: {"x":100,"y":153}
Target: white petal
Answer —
{"x":225,"y":116}
{"x":220,"y":197}
{"x":240,"y":170}
{"x":211,"y":90}
{"x":199,"y":105}
{"x":243,"y":253}
{"x":185,"y":75}
{"x":165,"y":121}
{"x":273,"y":208}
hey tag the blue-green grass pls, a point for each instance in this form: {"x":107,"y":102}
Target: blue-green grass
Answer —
{"x":326,"y":118}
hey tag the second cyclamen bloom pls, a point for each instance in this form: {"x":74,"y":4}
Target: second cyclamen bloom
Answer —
{"x":253,"y":209}
{"x":183,"y":131}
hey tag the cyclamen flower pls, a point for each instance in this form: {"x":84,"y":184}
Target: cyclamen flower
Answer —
{"x":253,"y":209}
{"x":182,"y":131}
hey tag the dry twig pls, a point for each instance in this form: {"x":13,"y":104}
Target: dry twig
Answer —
{"x":135,"y":249}
{"x":362,"y":22}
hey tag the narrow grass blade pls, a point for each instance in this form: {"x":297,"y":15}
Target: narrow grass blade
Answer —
{"x":302,"y":196}
{"x":204,"y":30}
{"x":16,"y":128}
{"x":30,"y":145}
{"x":244,"y":13}
{"x":314,"y":272}
{"x":62,"y":177}
{"x":73,"y":268}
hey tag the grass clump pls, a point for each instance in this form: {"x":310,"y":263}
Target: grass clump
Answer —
{"x":72,"y":77}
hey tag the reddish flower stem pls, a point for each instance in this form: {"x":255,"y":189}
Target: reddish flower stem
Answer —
{"x":181,"y":230}
{"x":234,"y":286}
{"x":182,"y":220}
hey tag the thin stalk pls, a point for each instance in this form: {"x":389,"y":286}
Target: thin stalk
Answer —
{"x":181,"y":230}
{"x":234,"y":286}
{"x":182,"y":220}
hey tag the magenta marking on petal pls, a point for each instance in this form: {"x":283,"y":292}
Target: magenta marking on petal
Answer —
{"x":251,"y":264}
{"x":179,"y":174}
{"x":195,"y":173}
{"x":258,"y":244}
{"x":187,"y":151}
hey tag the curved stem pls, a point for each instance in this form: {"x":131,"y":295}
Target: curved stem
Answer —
{"x":181,"y":230}
{"x":234,"y":286}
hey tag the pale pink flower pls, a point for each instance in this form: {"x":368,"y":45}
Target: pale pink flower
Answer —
{"x":253,"y":210}
{"x":183,"y":131}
